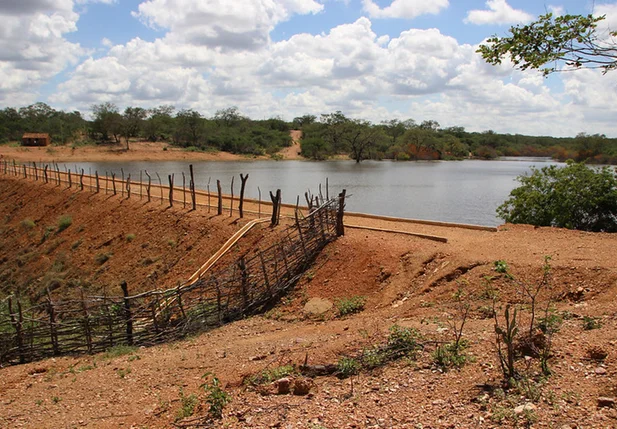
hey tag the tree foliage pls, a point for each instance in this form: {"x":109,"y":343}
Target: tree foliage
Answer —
{"x":552,"y":42}
{"x":574,"y":197}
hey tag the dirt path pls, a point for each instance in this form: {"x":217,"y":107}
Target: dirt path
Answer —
{"x":293,"y":151}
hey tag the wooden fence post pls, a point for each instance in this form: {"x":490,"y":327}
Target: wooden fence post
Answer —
{"x":276,"y":207}
{"x":81,"y":180}
{"x":128,"y":187}
{"x":36,"y":172}
{"x":149,"y":184}
{"x":220,"y":197}
{"x":17,"y":325}
{"x":340,"y":227}
{"x":171,"y":189}
{"x":53,"y":331}
{"x":70,"y":180}
{"x":192,"y":187}
{"x":122,"y":184}
{"x":87,"y":329}
{"x":160,"y":185}
{"x":208,"y":187}
{"x":231,"y":203}
{"x":113,"y":182}
{"x":241,"y":206}
{"x":127,"y":313}
{"x":45,"y":173}
{"x":183,"y":190}
{"x":98,"y":186}
{"x":25,"y":172}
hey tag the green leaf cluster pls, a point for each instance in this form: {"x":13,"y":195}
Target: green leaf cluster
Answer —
{"x":574,"y":197}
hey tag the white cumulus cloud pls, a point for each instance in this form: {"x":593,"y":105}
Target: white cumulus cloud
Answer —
{"x":499,"y":12}
{"x":407,"y":9}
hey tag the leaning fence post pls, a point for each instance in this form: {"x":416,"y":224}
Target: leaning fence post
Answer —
{"x":192,"y":186}
{"x":98,"y":187}
{"x":45,"y":173}
{"x":241,"y":206}
{"x":340,"y":227}
{"x":127,"y":313}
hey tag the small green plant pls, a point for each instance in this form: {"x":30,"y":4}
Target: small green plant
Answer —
{"x":346,"y":367}
{"x":590,"y":323}
{"x":402,"y":342}
{"x":506,"y":336}
{"x":64,"y":222}
{"x":272,"y":374}
{"x":171,"y":243}
{"x":122,"y":373}
{"x":130,"y":237}
{"x":187,"y":405}
{"x":39,"y":402}
{"x":216,"y":397}
{"x":102,"y":257}
{"x":28,"y":223}
{"x":346,"y":306}
{"x":117,"y":351}
{"x":500,"y":266}
{"x":451,"y":355}
{"x":48,"y":231}
{"x":373,"y":357}
{"x":56,"y":399}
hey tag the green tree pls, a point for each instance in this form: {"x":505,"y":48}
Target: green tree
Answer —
{"x":159,"y":123}
{"x":107,"y":121}
{"x":361,"y":138}
{"x":189,"y":127}
{"x":133,"y":119}
{"x":574,"y":197}
{"x":570,"y":40}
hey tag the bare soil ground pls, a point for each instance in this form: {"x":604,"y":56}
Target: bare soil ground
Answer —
{"x":139,"y":151}
{"x":406,"y":280}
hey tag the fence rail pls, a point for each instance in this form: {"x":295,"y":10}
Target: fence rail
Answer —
{"x":246,"y":286}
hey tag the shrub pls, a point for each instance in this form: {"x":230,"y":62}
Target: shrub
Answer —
{"x":346,"y":367}
{"x":187,"y":405}
{"x":402,"y":342}
{"x":215,"y":395}
{"x":28,"y":223}
{"x":574,"y":197}
{"x":451,"y":355}
{"x":351,"y":305}
{"x":273,"y":374}
{"x":590,"y":323}
{"x":64,"y":222}
{"x":130,"y":237}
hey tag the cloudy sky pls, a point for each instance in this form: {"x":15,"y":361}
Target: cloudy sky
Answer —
{"x":372,"y":59}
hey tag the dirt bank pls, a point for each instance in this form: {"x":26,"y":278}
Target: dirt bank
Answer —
{"x":406,"y":280}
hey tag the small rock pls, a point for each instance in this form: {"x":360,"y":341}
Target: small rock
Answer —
{"x":526,"y":407}
{"x":317,"y":306}
{"x":600,"y":371}
{"x":439,"y":402}
{"x":302,"y":386}
{"x":283,"y":386}
{"x":606,"y":402}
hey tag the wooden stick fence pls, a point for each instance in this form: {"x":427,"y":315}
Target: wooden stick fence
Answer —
{"x":247,"y":285}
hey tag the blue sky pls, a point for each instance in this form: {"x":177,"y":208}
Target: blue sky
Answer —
{"x":372,"y":59}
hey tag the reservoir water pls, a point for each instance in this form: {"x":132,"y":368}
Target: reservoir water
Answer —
{"x":452,"y":191}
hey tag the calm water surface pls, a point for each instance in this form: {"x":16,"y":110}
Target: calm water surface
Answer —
{"x":452,"y":191}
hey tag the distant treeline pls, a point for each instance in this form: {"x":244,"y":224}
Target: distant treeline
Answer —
{"x":323,"y":137}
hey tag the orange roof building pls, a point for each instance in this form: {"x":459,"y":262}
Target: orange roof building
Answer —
{"x":36,"y":139}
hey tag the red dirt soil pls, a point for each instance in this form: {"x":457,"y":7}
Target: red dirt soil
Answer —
{"x":407,"y":281}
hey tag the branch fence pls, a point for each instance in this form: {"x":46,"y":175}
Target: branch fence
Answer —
{"x":248,"y":285}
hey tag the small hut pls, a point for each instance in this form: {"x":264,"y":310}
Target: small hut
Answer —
{"x":36,"y":139}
